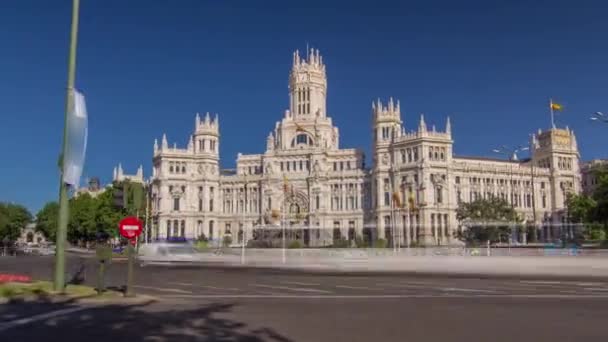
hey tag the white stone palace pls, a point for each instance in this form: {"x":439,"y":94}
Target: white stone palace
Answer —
{"x":306,"y":182}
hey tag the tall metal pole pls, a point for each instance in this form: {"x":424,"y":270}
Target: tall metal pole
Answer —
{"x":243,"y":221}
{"x":552,"y":115}
{"x":533,"y":192}
{"x":62,"y":224}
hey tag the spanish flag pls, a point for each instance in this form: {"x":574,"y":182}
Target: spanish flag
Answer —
{"x":412,"y":200}
{"x":285,"y":184}
{"x":556,"y":106}
{"x":397,"y":199}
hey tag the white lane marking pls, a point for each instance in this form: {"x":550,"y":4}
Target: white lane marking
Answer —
{"x":219,"y":288}
{"x":162,"y":289}
{"x":454,"y":289}
{"x":542,"y":282}
{"x":183,"y":284}
{"x":401,"y":285}
{"x":493,"y":296}
{"x":207,"y":286}
{"x":298,"y":289}
{"x":589,"y":284}
{"x":40,"y":317}
{"x":358,"y":288}
{"x":299,"y":283}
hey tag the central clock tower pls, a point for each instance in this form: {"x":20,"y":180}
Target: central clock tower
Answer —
{"x":308,"y":86}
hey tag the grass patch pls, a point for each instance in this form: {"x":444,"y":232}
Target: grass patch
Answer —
{"x":45,"y":289}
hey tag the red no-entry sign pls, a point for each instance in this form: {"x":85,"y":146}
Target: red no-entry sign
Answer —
{"x":130,"y":227}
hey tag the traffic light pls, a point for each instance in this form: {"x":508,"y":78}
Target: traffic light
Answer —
{"x":120,"y":196}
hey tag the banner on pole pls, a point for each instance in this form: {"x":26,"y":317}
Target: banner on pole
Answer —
{"x":77,"y":131}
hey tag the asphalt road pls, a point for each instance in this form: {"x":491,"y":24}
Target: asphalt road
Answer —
{"x":214,"y":304}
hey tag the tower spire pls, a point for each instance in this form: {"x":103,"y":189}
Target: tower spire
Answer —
{"x":448,"y":126}
{"x":422,"y":124}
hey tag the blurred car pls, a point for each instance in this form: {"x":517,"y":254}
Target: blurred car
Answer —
{"x":168,"y":254}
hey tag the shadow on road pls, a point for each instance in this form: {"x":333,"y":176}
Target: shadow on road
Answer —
{"x":146,"y":322}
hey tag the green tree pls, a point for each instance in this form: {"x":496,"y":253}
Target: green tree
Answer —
{"x":580,"y":208}
{"x":107,"y":215}
{"x":46,"y":220}
{"x":486,"y":220}
{"x":82,"y":224}
{"x":13,"y":218}
{"x":600,"y":195}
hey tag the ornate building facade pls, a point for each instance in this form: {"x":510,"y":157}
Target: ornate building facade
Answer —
{"x":306,"y":182}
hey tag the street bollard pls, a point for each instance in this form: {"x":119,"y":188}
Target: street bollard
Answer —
{"x":131,"y":255}
{"x":104,"y":255}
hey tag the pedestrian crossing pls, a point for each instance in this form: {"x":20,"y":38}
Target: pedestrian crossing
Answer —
{"x":370,"y":287}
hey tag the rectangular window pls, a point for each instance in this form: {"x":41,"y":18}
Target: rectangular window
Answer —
{"x":544,"y":201}
{"x":415,"y":153}
{"x":387,"y":199}
{"x":200,"y":205}
{"x":301,"y":165}
{"x":348,"y":165}
{"x":308,"y":165}
{"x":341,"y":166}
{"x":542,"y":185}
{"x":457,"y":179}
{"x":211,"y":199}
{"x":176,"y":203}
{"x":335,"y":166}
{"x":281,"y":164}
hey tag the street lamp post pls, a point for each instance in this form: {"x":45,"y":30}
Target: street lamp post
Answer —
{"x":599,"y":117}
{"x":59,"y":272}
{"x":512,"y":154}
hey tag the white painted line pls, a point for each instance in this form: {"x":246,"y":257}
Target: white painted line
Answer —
{"x":403,"y":285}
{"x":299,"y":289}
{"x":299,"y":283}
{"x":40,"y":317}
{"x":206,"y":286}
{"x":542,"y":282}
{"x":493,"y":296}
{"x":162,"y":289}
{"x":454,"y":289}
{"x":358,"y":288}
{"x":183,"y":284}
{"x":590,"y":284}
{"x":219,"y":288}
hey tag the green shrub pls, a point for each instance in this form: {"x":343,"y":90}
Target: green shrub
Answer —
{"x":202,"y":238}
{"x":340,"y":243}
{"x":259,"y":244}
{"x":360,"y":242}
{"x":295,"y":244}
{"x":227,"y":241}
{"x":201,"y":245}
{"x":8,"y":292}
{"x":380,"y":243}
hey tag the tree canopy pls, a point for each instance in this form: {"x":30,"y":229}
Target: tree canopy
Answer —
{"x":13,"y":218}
{"x":90,"y":216}
{"x":46,"y":220}
{"x":592,"y":210}
{"x":486,"y":220}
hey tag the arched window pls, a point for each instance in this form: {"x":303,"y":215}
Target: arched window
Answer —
{"x":301,"y":139}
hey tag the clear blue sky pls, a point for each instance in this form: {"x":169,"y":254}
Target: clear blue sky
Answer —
{"x":147,"y":66}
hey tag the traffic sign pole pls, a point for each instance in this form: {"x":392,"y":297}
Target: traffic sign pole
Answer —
{"x":129,"y":291}
{"x":130,"y":228}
